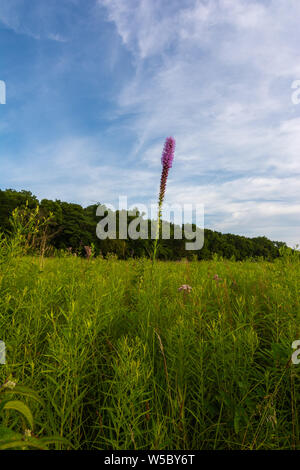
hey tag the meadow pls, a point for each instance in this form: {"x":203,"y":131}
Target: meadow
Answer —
{"x":125,"y":360}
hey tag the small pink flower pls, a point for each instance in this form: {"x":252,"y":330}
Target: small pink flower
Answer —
{"x":217,"y":278}
{"x":185,"y":287}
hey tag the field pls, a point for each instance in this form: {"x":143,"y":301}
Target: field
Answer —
{"x":125,"y":360}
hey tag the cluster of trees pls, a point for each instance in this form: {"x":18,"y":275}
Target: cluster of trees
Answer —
{"x":73,"y":226}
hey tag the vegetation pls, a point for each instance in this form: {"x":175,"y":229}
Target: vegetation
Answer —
{"x":70,"y":226}
{"x":11,"y":439}
{"x":123,"y":359}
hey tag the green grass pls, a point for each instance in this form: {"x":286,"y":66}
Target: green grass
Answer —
{"x":123,"y":360}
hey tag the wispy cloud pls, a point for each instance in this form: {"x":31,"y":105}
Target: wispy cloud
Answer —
{"x":217,"y":74}
{"x":76,"y":169}
{"x":93,"y":96}
{"x":37,"y":22}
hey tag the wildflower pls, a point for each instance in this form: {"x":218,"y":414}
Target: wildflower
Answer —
{"x":27,"y":433}
{"x":217,"y":278}
{"x":185,"y":287}
{"x":166,"y":161}
{"x":9,"y":384}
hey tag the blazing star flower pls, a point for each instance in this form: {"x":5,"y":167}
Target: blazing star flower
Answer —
{"x":166,"y":161}
{"x":168,"y":152}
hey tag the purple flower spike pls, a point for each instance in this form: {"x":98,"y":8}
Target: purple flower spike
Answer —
{"x":166,"y":160}
{"x":168,"y":152}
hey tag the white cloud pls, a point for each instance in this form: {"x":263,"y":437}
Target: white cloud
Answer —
{"x":32,"y":22}
{"x":75,"y":169}
{"x":217,"y":75}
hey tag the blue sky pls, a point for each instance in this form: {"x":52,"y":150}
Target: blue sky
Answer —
{"x":95,"y":86}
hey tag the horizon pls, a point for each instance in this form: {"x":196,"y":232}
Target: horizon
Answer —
{"x":169,"y":220}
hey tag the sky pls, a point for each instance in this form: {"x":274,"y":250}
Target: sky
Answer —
{"x":93,"y":88}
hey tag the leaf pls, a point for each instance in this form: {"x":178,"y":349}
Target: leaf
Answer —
{"x":25,"y":391}
{"x":55,"y":440}
{"x":279,"y":353}
{"x":19,"y":406}
{"x":6,"y":433}
{"x":13,"y":443}
{"x":10,"y":440}
{"x":2,"y":403}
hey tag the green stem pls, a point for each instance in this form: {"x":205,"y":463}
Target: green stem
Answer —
{"x":157,"y":230}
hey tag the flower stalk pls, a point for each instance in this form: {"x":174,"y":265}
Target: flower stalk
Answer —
{"x":166,"y":160}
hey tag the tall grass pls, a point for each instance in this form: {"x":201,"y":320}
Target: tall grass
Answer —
{"x":123,"y":360}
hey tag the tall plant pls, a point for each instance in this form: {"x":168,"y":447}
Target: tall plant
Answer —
{"x":166,"y":160}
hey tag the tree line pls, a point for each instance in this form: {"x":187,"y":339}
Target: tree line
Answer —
{"x":73,"y":227}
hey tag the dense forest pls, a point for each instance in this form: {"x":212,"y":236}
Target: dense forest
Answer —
{"x":73,"y":227}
